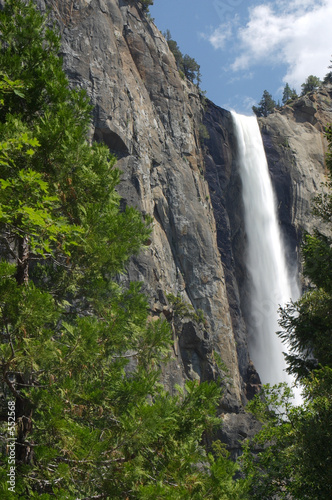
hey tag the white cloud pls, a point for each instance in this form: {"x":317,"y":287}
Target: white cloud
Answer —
{"x":249,"y":75}
{"x":297,"y":34}
{"x":219,"y":36}
{"x":296,"y":5}
{"x":248,"y":103}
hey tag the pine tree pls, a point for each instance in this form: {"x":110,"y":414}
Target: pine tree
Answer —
{"x":328,"y":76}
{"x":187,"y":65}
{"x":146,"y":4}
{"x":191,"y":68}
{"x":175,"y":49}
{"x":312,"y":83}
{"x":265,"y":106}
{"x":80,"y":357}
{"x":288,"y":94}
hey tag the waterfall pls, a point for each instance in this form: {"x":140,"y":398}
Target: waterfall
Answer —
{"x":271,"y":285}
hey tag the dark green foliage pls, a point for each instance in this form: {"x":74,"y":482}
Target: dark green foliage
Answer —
{"x":185,"y":310}
{"x":328,"y":76}
{"x":186,"y":64}
{"x":266,"y":458}
{"x":146,"y":4}
{"x":291,"y":456}
{"x":190,"y":68}
{"x":80,"y":357}
{"x":266,"y":105}
{"x":288,"y":94}
{"x":174,"y":48}
{"x":312,"y":83}
{"x":308,"y":330}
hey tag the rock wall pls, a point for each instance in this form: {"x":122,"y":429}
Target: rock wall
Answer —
{"x":295,"y":146}
{"x":151,"y":118}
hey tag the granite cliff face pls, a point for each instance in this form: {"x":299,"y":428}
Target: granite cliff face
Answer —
{"x":295,"y":147}
{"x":151,"y":119}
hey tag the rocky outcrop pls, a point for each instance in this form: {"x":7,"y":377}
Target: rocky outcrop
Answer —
{"x":296,"y":146}
{"x":150,"y":118}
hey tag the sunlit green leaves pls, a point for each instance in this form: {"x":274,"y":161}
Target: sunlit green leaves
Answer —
{"x":81,"y":355}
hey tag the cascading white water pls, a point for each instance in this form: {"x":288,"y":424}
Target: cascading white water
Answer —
{"x":270,"y":282}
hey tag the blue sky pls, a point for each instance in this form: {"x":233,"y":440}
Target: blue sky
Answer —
{"x":247,"y":46}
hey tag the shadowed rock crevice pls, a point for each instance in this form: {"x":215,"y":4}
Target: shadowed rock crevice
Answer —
{"x":114,"y":140}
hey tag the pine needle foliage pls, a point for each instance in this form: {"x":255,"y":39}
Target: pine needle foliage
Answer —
{"x":79,"y":356}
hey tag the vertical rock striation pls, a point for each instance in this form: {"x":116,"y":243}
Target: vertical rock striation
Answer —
{"x":295,"y":147}
{"x":149,"y":117}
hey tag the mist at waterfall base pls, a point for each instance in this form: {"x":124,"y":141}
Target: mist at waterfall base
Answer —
{"x":271,"y":284}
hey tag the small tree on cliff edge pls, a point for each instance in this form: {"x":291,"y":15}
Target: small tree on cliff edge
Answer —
{"x":312,"y":83}
{"x":87,"y":424}
{"x":288,"y":94}
{"x":328,"y":76}
{"x":265,"y":106}
{"x":186,"y":65}
{"x":145,"y":4}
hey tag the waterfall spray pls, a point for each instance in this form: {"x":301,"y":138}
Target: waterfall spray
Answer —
{"x":271,"y":285}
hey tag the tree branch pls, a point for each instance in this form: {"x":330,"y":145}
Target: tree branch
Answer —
{"x":11,"y":386}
